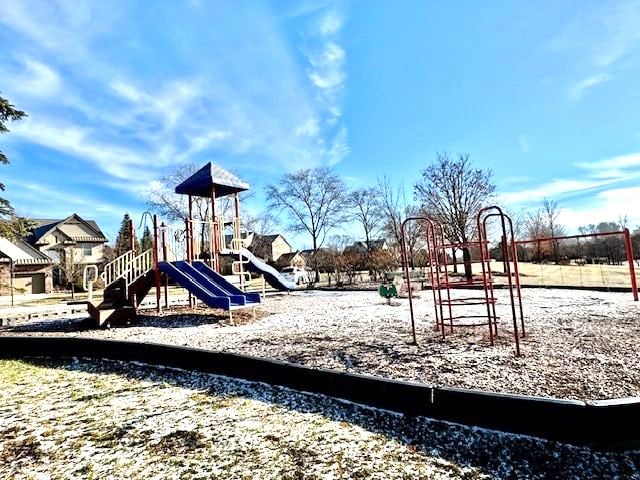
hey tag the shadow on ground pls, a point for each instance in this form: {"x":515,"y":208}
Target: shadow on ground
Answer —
{"x":50,"y":326}
{"x":176,"y":320}
{"x":497,"y":454}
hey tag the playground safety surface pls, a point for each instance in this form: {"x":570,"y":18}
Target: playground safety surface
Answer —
{"x":580,"y":345}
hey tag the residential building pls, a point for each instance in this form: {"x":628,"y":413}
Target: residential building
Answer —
{"x":24,"y":268}
{"x":361,"y":246}
{"x":71,"y":243}
{"x":268,"y":247}
{"x":292,"y":259}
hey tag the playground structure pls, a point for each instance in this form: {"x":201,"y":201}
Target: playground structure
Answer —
{"x":190,"y":256}
{"x":451,"y":307}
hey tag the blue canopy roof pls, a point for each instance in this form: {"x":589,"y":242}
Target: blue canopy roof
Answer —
{"x":200,"y":183}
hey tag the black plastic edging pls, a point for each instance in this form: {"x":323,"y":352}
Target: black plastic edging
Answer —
{"x":604,"y":424}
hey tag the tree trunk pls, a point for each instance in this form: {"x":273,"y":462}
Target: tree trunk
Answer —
{"x":455,"y":259}
{"x":466,"y":257}
{"x":315,"y":259}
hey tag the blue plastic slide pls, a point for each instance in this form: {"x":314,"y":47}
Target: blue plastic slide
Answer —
{"x":205,"y":288}
{"x":273,"y":277}
{"x":223,"y":283}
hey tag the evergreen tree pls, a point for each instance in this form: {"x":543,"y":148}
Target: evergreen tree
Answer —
{"x":10,"y":225}
{"x":123,"y":240}
{"x":147,"y":240}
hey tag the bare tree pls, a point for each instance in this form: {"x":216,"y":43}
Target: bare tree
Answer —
{"x":392,"y":204}
{"x":71,"y":267}
{"x":313,"y":200}
{"x":263,"y":223}
{"x":536,"y":228}
{"x":635,"y":242}
{"x":171,"y":206}
{"x":395,"y":209}
{"x":452,"y":191}
{"x":365,"y":210}
{"x":551,"y":212}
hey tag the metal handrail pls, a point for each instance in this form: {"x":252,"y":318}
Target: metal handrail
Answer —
{"x":127,"y":266}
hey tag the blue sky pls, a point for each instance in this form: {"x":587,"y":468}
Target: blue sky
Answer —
{"x":120,"y":93}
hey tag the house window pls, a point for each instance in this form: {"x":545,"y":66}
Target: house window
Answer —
{"x":87,"y":250}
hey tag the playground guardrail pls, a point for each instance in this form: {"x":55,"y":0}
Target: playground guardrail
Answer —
{"x":128,"y":266}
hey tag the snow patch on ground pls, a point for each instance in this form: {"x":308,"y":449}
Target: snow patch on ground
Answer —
{"x":579,"y":345}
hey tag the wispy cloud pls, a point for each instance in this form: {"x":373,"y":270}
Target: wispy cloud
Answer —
{"x":33,"y":78}
{"x":577,"y":91}
{"x":598,"y":39}
{"x":606,"y":206}
{"x":555,"y":189}
{"x":326,"y":63}
{"x":61,"y":202}
{"x":601,"y":190}
{"x":602,"y":35}
{"x":326,"y":73}
{"x":524,"y":144}
{"x":117,"y":161}
{"x":250,"y":99}
{"x":339,"y":147}
{"x":621,"y":167}
{"x":614,"y":163}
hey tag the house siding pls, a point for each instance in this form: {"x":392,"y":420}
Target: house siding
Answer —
{"x":54,"y":241}
{"x":279,"y":247}
{"x":25,"y":274}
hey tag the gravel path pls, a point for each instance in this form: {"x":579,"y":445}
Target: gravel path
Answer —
{"x":579,"y":345}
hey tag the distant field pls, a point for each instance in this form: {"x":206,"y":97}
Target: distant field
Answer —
{"x":602,"y":276}
{"x":573,"y":275}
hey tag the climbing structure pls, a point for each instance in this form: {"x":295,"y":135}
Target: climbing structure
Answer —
{"x":455,"y":296}
{"x":189,"y":255}
{"x":220,"y":233}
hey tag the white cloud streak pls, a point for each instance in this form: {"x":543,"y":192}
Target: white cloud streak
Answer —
{"x":115,"y":160}
{"x":602,"y":35}
{"x":248,"y":100}
{"x":615,"y":163}
{"x":598,"y":39}
{"x":326,"y":72}
{"x":577,"y":91}
{"x":557,"y":188}
{"x":604,"y":194}
{"x":524,"y":144}
{"x":609,"y":205}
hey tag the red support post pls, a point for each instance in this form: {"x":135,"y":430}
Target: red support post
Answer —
{"x":215,"y":254}
{"x":132,"y":236}
{"x":632,"y":269}
{"x":190,"y":228}
{"x":156,"y":261}
{"x":166,"y":259}
{"x":189,"y":247}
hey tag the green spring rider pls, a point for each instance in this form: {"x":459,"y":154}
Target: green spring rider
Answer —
{"x":388,"y":288}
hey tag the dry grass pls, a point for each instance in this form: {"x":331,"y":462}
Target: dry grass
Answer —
{"x":575,"y":275}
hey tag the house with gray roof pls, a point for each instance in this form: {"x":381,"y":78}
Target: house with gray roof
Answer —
{"x":70,"y":241}
{"x":23,"y":268}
